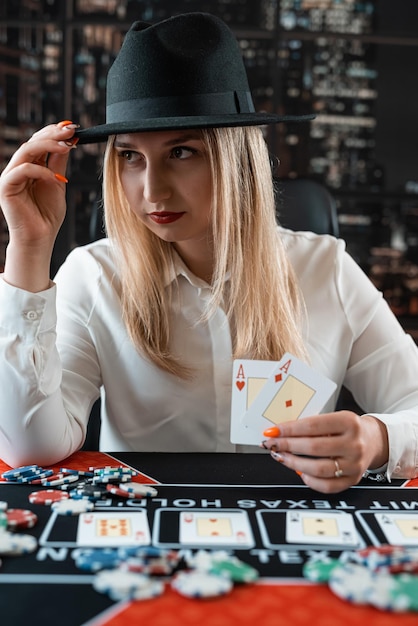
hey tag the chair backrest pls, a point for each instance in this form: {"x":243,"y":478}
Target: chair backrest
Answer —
{"x":304,"y":204}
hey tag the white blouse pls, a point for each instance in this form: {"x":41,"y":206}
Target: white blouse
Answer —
{"x":61,"y":348}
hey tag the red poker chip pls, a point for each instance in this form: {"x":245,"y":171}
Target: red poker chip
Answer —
{"x":47,"y":496}
{"x":117,"y":491}
{"x":21,"y":518}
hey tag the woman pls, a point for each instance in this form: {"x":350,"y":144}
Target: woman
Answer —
{"x":193,"y":274}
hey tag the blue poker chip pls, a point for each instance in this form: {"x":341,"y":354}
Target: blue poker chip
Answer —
{"x":65,"y":470}
{"x":20,"y":471}
{"x":36,"y":476}
{"x":94,"y":560}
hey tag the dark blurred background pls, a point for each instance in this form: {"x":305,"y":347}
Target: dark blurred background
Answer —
{"x":354,"y":63}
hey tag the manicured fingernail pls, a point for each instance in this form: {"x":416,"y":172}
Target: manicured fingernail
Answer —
{"x":273,"y":431}
{"x":298,"y":473}
{"x":277,"y":456}
{"x":68,"y":124}
{"x":69,"y":143}
{"x":61,"y":178}
{"x":263,"y":445}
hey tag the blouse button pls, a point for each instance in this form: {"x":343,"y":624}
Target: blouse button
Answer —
{"x":31,"y":315}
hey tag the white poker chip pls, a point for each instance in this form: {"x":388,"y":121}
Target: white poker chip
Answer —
{"x":139,"y":489}
{"x":397,"y":593}
{"x":123,"y":585}
{"x":12,"y":544}
{"x":352,"y":582}
{"x":203,"y":559}
{"x":72,"y":507}
{"x":200,"y":584}
{"x":3,"y":505}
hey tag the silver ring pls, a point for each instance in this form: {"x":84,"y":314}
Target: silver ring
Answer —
{"x":338,"y":471}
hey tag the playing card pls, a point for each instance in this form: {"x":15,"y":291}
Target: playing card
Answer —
{"x":317,"y":527}
{"x":400,"y":529}
{"x":204,"y":528}
{"x":293,"y":390}
{"x":113,"y":529}
{"x":248,"y":378}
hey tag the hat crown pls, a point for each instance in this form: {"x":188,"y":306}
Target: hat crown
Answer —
{"x":186,"y":55}
{"x":184,"y":72}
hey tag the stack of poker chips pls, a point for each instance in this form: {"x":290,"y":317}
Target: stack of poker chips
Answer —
{"x":385,"y":577}
{"x":137,"y":573}
{"x":129,"y":572}
{"x":13,"y":542}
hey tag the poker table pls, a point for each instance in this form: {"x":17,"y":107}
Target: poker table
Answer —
{"x":45,"y":587}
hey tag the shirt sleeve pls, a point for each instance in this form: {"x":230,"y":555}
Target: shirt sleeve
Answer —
{"x":355,"y":339}
{"x":36,"y":424}
{"x":382,"y":372}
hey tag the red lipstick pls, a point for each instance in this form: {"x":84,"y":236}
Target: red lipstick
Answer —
{"x":165,"y":217}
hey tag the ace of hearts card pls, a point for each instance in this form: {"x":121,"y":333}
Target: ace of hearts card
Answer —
{"x":248,"y":378}
{"x":274,"y":392}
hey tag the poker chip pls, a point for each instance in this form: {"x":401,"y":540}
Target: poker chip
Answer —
{"x":12,"y":544}
{"x":352,"y":582}
{"x":89,"y":492}
{"x":395,"y":593}
{"x":72,"y":507}
{"x":19,"y":471}
{"x":199,"y":584}
{"x":115,"y":490}
{"x":319,"y":571}
{"x":121,"y":585}
{"x":61,"y":479}
{"x":47,"y":496}
{"x":394,"y":559}
{"x":3,"y":505}
{"x":65,"y":470}
{"x":21,"y":518}
{"x":139,"y":489}
{"x":235,"y":569}
{"x":3,"y":520}
{"x":93,"y":560}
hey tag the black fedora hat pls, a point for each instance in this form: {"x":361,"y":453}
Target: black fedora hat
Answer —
{"x":184,"y":72}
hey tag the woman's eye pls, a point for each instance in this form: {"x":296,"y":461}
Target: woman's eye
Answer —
{"x":126,"y":154}
{"x":181,"y":152}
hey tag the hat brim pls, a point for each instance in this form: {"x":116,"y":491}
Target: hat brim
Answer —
{"x":96,"y":134}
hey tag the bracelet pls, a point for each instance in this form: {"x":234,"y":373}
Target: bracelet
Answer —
{"x":379,"y":477}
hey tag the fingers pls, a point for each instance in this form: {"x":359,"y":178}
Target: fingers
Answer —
{"x":322,"y":435}
{"x":328,"y":451}
{"x":17,"y":178}
{"x":48,"y":147}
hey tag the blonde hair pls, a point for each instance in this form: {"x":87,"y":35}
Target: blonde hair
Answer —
{"x":263,"y":303}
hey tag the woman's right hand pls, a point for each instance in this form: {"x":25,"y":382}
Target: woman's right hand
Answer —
{"x":32,"y":198}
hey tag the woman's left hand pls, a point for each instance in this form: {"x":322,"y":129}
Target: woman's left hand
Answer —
{"x":336,"y":448}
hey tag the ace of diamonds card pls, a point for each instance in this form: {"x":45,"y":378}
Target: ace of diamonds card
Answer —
{"x":275,"y":392}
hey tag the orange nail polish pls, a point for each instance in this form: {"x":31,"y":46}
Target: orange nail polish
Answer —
{"x":273,"y":431}
{"x":64,"y":123}
{"x":298,"y":473}
{"x":61,"y":178}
